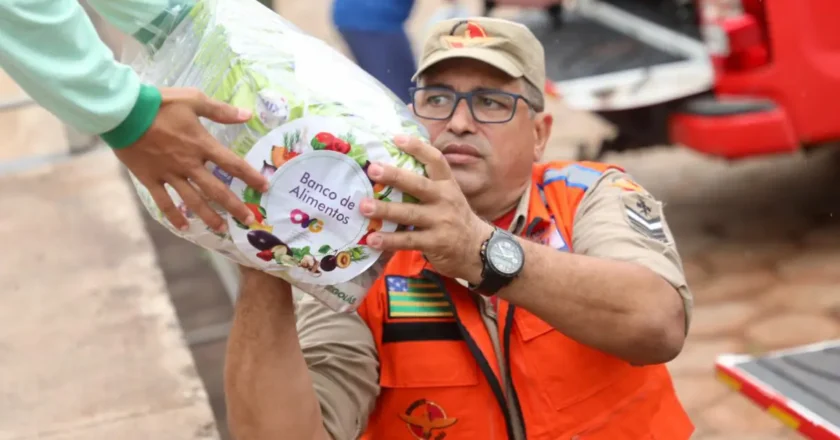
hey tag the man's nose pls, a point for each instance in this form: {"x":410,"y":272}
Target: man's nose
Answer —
{"x":462,"y":120}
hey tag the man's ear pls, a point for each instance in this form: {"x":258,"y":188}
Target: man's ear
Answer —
{"x":542,"y":131}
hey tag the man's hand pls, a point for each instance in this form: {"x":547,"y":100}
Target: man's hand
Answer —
{"x":175,"y":149}
{"x":446,"y":229}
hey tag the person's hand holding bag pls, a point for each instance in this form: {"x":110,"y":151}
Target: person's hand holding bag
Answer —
{"x":174,"y":151}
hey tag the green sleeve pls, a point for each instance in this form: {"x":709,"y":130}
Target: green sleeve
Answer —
{"x":52,"y":51}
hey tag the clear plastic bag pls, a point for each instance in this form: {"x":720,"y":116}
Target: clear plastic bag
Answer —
{"x":319,"y":120}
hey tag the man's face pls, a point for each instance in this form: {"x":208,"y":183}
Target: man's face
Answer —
{"x":487,"y":159}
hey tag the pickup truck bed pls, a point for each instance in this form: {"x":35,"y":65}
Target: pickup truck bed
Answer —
{"x":613,"y":55}
{"x":583,"y":47}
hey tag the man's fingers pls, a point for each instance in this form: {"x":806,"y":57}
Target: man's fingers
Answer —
{"x":218,"y":192}
{"x":167,"y":206}
{"x":406,"y":181}
{"x":197,"y":204}
{"x":217,"y":110}
{"x":398,"y":241}
{"x":436,"y":166}
{"x":401,"y":213}
{"x":236,"y":166}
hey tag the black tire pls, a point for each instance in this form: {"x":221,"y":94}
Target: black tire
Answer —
{"x":489,"y":5}
{"x":638,"y":128}
{"x":556,"y":13}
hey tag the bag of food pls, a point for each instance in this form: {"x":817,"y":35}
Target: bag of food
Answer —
{"x":319,"y":121}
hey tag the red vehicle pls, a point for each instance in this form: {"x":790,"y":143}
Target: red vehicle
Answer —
{"x":777,"y":79}
{"x":729,"y":78}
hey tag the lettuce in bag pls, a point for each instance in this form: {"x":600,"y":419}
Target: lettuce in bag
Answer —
{"x":319,"y":121}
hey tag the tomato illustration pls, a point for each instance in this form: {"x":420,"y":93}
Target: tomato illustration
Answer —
{"x":322,"y":140}
{"x":266,"y":255}
{"x":339,"y":146}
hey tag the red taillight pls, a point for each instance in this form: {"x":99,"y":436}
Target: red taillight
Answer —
{"x":736,"y":33}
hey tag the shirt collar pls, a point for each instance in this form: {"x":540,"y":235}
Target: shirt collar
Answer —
{"x":532,"y":216}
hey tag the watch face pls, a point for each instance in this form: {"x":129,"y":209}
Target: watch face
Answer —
{"x":505,"y":256}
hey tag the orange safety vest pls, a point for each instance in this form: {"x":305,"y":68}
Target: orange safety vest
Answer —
{"x":438,"y":371}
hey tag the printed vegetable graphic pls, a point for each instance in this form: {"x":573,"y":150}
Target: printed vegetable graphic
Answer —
{"x":375,"y":224}
{"x":328,"y":141}
{"x":280,"y":154}
{"x":343,"y":260}
{"x":365,"y":169}
{"x":267,"y":170}
{"x":363,"y":240}
{"x":280,"y":250}
{"x":328,"y":263}
{"x":261,"y":227}
{"x":339,"y":146}
{"x":377,"y":187}
{"x":294,"y":113}
{"x":263,"y":240}
{"x":321,"y":140}
{"x":257,"y":210}
{"x":339,"y":260}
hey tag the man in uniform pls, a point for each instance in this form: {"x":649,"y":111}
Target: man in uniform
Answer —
{"x":530,"y":301}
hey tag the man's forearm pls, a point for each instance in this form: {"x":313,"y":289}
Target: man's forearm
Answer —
{"x":268,"y":389}
{"x":618,"y":307}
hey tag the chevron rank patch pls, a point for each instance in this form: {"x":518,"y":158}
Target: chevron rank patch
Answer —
{"x":414,"y":298}
{"x":644,"y":214}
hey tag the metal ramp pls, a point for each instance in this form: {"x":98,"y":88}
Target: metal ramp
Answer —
{"x":621,"y":54}
{"x":800,"y":387}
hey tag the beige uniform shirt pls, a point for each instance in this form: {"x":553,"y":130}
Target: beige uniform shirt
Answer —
{"x":615,"y":220}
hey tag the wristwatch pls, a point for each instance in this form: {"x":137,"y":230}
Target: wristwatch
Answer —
{"x":503,"y":258}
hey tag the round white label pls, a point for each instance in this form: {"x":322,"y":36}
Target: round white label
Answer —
{"x":309,"y":222}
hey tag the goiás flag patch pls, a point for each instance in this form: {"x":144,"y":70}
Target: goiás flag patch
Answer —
{"x":416,"y":298}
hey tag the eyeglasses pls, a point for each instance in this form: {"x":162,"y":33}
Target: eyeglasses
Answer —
{"x":486,"y":105}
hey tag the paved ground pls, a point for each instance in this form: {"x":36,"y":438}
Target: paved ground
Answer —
{"x":761,"y":242}
{"x":90,"y":346}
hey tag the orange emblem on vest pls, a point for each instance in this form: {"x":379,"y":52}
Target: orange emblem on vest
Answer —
{"x":424,"y":418}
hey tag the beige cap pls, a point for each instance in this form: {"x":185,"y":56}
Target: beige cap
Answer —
{"x":509,"y":46}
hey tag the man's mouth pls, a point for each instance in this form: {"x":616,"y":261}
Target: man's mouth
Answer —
{"x":461,"y":154}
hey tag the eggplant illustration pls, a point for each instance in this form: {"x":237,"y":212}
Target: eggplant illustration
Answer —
{"x":263,"y":240}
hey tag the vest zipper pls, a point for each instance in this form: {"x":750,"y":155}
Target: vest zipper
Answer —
{"x":506,"y":354}
{"x":495,"y":386}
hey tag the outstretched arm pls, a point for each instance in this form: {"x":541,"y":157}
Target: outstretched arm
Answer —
{"x":51,"y":49}
{"x":296,"y":371}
